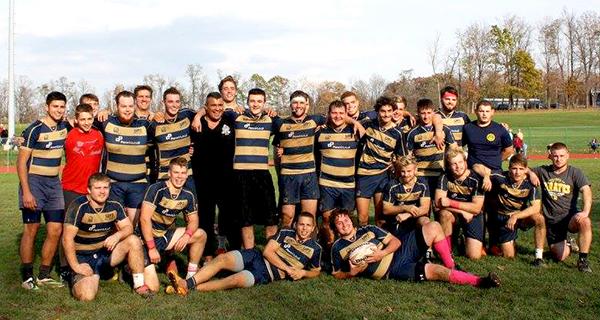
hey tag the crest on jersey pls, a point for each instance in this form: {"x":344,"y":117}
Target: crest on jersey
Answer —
{"x":330,"y":144}
{"x":119,"y":138}
{"x":490,"y":137}
{"x":225,"y":130}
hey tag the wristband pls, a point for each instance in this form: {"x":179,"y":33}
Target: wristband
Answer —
{"x":150,"y":244}
{"x":454,"y":204}
{"x":189,"y":232}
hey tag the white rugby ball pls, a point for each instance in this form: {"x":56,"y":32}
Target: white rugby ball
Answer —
{"x":359,"y":254}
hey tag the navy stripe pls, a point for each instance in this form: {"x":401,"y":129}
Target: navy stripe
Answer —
{"x":126,"y":158}
{"x":250,"y":159}
{"x":252,"y":142}
{"x":342,"y":163}
{"x":44,"y":162}
{"x":337,"y":178}
{"x":298,"y":150}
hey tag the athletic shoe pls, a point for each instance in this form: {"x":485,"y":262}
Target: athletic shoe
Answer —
{"x":583,"y":265}
{"x":491,"y":281}
{"x":538,"y":263}
{"x":571,"y":242}
{"x":178,"y":283}
{"x":65,"y":277}
{"x":144,"y":291}
{"x":49,"y":282}
{"x":428,"y":256}
{"x":30,"y":284}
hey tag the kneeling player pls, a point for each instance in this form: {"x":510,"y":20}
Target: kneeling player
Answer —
{"x":406,"y":199}
{"x":97,"y":237}
{"x":459,"y":198}
{"x":291,"y":254}
{"x":514,"y":203}
{"x":163,"y":202}
{"x":395,"y":258}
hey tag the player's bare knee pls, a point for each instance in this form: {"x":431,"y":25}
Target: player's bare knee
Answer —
{"x":584,"y":224}
{"x":133,"y":242}
{"x":245,"y":279}
{"x":199,"y":236}
{"x":53,"y":230}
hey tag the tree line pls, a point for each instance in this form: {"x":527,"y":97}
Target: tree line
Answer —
{"x":556,"y":60}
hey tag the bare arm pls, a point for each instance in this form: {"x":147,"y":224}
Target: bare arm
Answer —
{"x":587,"y":201}
{"x":507,"y":152}
{"x":68,"y":242}
{"x":29,"y":200}
{"x":485,"y":173}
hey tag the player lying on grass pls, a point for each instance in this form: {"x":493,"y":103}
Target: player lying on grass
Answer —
{"x":290,"y":254}
{"x":514,"y":204}
{"x":163,"y":202}
{"x":393,"y":258}
{"x":97,"y":237}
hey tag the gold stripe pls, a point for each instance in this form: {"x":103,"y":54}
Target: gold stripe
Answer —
{"x":453,"y":121}
{"x":252,"y":151}
{"x":162,"y":219}
{"x":250,"y":166}
{"x":297,"y":158}
{"x":337,"y":171}
{"x":44,"y":171}
{"x":297,"y":142}
{"x":287,"y":172}
{"x":164,"y":129}
{"x":52,"y":136}
{"x":439,"y":164}
{"x":382,"y":137}
{"x":126,"y":168}
{"x":457,"y":136}
{"x":371,"y":172}
{"x":403,"y":197}
{"x":426,"y":136}
{"x":338,"y":153}
{"x":336,"y":184}
{"x":126,"y":149}
{"x":98,"y":218}
{"x":47,"y":154}
{"x":252,"y":134}
{"x":174,"y":144}
{"x":337,"y":137}
{"x":126,"y":131}
{"x":173,"y":204}
{"x":383,"y":266}
{"x":92,"y":234}
{"x":427,"y":152}
{"x":89,"y":247}
{"x":453,"y":187}
{"x":520,"y":193}
{"x":288,"y":127}
{"x":345,"y":252}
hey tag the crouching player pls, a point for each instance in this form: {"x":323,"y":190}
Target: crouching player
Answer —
{"x":163,"y":202}
{"x":459,"y":200}
{"x":290,"y":254}
{"x":514,"y":203}
{"x":97,"y":237}
{"x":406,"y":199}
{"x":395,"y":258}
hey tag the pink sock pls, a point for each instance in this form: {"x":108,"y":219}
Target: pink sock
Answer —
{"x":461,"y":277}
{"x":443,"y":250}
{"x":449,"y":239}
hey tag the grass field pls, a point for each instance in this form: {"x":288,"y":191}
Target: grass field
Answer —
{"x":558,"y":291}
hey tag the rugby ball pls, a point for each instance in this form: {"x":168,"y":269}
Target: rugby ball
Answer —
{"x":359,"y":254}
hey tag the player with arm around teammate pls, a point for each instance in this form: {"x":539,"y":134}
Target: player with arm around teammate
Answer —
{"x":290,"y":254}
{"x":97,"y":237}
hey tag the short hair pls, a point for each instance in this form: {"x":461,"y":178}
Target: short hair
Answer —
{"x":83,"y":107}
{"x":227,"y":79}
{"x":55,"y":95}
{"x":336,"y":213}
{"x":448,"y":89}
{"x":384,"y":101}
{"x":179,"y":161}
{"x":558,"y":146}
{"x":453,"y":153}
{"x":307,"y":214}
{"x":424,"y":104}
{"x":348,"y":94}
{"x":404,"y":161}
{"x":97,"y":177}
{"x":143,"y":87}
{"x":171,"y":90}
{"x":88,"y":96}
{"x":123,"y":94}
{"x":299,"y":93}
{"x":214,"y":95}
{"x":401,"y":99}
{"x":257,"y":91}
{"x":336,"y":104}
{"x":518,"y":159}
{"x":484,"y":103}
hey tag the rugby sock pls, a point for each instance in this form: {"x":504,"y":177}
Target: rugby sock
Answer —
{"x":449,"y":240}
{"x":583,"y":255}
{"x":44,"y":272}
{"x":26,"y":271}
{"x":443,"y":251}
{"x":461,"y":277}
{"x":539,"y":253}
{"x":191,"y":283}
{"x":191,"y":270}
{"x":138,"y":280}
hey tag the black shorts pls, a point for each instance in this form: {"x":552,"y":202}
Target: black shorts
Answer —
{"x":499,"y":233}
{"x":99,"y":261}
{"x":557,"y":232}
{"x":406,"y":264}
{"x":256,"y":197}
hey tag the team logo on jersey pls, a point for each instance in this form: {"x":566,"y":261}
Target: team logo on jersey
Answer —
{"x":45,"y":137}
{"x":225,"y":130}
{"x":138,"y":130}
{"x":291,"y":134}
{"x":165,"y":211}
{"x":557,"y":188}
{"x":330,"y":144}
{"x":169,"y":136}
{"x":490,"y":137}
{"x":116,"y":130}
{"x":423,"y":144}
{"x":246,"y":125}
{"x":119,"y":139}
{"x":49,"y":145}
{"x":163,"y":129}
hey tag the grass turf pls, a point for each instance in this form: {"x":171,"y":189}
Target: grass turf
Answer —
{"x":559,"y":291}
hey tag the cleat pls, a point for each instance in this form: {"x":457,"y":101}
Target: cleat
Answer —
{"x":144,"y":291}
{"x":491,"y":281}
{"x":539,"y":263}
{"x":65,"y":277}
{"x":571,"y":242}
{"x":584,"y":265}
{"x":49,"y":282}
{"x":170,"y":290}
{"x":428,"y":256}
{"x":178,"y":283}
{"x":30,"y":284}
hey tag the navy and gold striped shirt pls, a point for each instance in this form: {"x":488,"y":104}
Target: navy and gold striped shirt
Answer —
{"x":94,"y":225}
{"x":430,"y":160}
{"x":300,"y":255}
{"x":341,"y":248}
{"x":337,"y":150}
{"x":46,"y":145}
{"x":298,"y":141}
{"x":172,"y":140}
{"x":455,"y":121}
{"x":252,"y":136}
{"x":396,"y":194}
{"x":464,"y":190}
{"x":168,"y":206}
{"x":507,"y":197}
{"x":126,"y":147}
{"x":380,"y":145}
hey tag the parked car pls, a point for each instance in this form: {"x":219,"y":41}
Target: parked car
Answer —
{"x":503,"y":106}
{"x":555,"y":105}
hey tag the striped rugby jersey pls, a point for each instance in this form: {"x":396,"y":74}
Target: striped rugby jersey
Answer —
{"x":337,"y":152}
{"x":464,"y":190}
{"x":298,"y":141}
{"x":380,"y":145}
{"x":300,"y":255}
{"x":168,"y":206}
{"x":430,"y":160}
{"x":252,"y":136}
{"x":506,"y":197}
{"x":455,"y":121}
{"x":46,"y":145}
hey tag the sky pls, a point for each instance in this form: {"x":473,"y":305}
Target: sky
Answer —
{"x":119,"y":41}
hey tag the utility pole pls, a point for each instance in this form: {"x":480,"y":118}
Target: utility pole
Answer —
{"x":11,"y":72}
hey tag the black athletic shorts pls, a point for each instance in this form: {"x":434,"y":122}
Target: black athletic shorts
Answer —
{"x":255,"y":197}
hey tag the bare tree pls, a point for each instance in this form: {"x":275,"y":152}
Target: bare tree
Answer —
{"x":199,"y":85}
{"x":158,"y":84}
